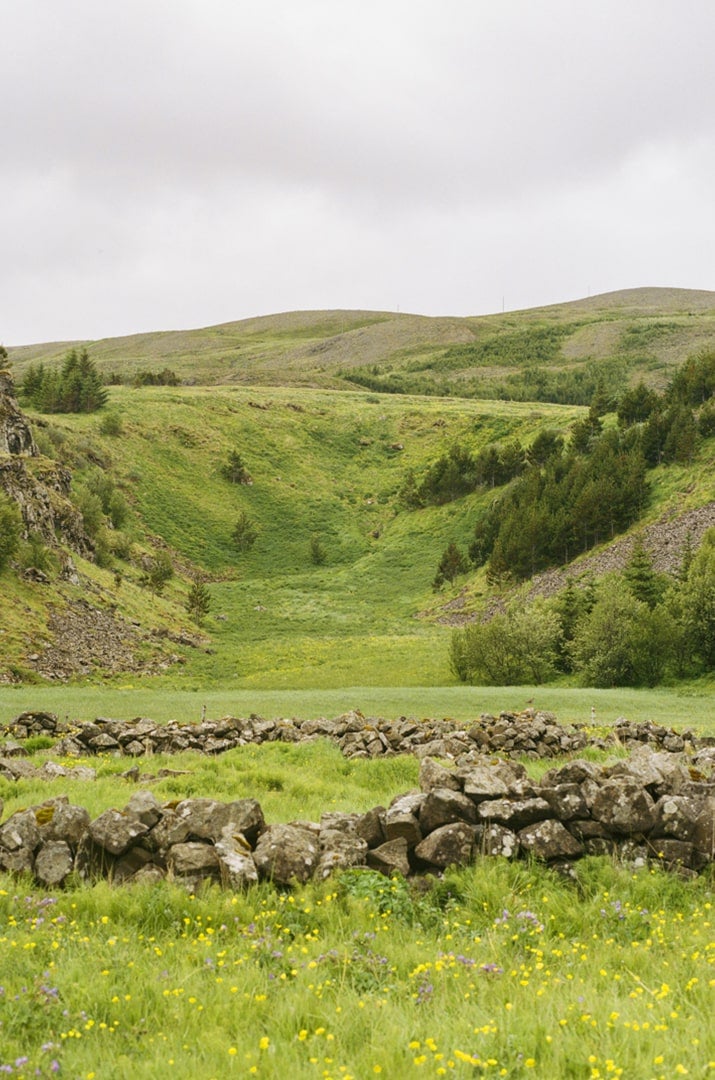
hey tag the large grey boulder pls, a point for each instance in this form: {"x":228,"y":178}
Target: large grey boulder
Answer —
{"x":390,"y":858}
{"x":442,"y":806}
{"x":566,"y":801}
{"x":549,"y":840}
{"x":53,"y":863}
{"x":65,"y":822}
{"x":449,"y":845}
{"x":624,"y":806}
{"x":435,"y":775}
{"x":193,"y":859}
{"x":514,"y":813}
{"x":235,"y":862}
{"x":482,"y":782}
{"x":495,"y":839}
{"x":339,"y":850}
{"x":401,"y":818}
{"x":286,"y":853}
{"x":115,"y":831}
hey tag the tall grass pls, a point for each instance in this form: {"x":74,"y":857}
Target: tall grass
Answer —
{"x":500,"y":970}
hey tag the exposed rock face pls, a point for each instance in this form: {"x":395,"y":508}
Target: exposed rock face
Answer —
{"x":15,"y":434}
{"x":39,"y":487}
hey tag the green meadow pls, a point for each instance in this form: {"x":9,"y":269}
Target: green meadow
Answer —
{"x":499,"y":970}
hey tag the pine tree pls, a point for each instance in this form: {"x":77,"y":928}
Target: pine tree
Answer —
{"x":198,"y":601}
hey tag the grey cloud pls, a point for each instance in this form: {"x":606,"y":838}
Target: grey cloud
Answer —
{"x":409,"y":145}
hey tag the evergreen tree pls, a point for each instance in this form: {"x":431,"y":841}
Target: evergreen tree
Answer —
{"x":234,"y":470}
{"x":244,"y":533}
{"x":198,"y":601}
{"x":640,"y":576}
{"x":318,"y":551}
{"x":452,"y":563}
{"x":75,"y":387}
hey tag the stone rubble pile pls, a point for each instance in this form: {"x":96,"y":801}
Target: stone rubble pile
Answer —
{"x":652,"y":805}
{"x":530,"y":733}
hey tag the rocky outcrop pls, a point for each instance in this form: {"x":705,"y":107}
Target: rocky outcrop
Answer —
{"x":15,"y":433}
{"x":38,"y":486}
{"x":639,"y":809}
{"x":529,"y":734}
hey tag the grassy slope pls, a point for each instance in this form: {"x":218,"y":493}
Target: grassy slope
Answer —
{"x":322,"y":463}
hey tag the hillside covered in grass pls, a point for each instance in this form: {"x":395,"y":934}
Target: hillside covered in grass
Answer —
{"x":321,"y":552}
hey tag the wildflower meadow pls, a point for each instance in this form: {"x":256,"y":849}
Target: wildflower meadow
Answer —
{"x":502,"y":969}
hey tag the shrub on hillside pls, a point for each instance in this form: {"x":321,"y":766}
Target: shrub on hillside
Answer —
{"x":234,"y":469}
{"x":198,"y":600}
{"x":244,"y":533}
{"x":520,"y":646}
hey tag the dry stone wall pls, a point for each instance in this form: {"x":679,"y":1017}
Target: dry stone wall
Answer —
{"x":655,"y":804}
{"x":530,"y":733}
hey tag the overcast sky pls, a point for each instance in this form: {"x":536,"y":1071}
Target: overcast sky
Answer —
{"x":177,"y":163}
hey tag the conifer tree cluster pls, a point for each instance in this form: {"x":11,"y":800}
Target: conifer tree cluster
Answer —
{"x":76,"y":387}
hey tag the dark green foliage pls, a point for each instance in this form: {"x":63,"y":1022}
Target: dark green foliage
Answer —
{"x":165,"y":377}
{"x":579,"y":384}
{"x":634,"y":628}
{"x":637,"y":404}
{"x":75,"y":388}
{"x":10,"y":530}
{"x":622,"y":641}
{"x":550,"y":514}
{"x":537,"y":345}
{"x":198,"y":601}
{"x":698,"y":591}
{"x":244,"y":533}
{"x":460,"y":472}
{"x":694,"y":382}
{"x":585,"y":433}
{"x":318,"y":551}
{"x":3,"y":353}
{"x":547,"y":444}
{"x":642,"y":580}
{"x":234,"y":469}
{"x":452,"y":563}
{"x":706,"y":420}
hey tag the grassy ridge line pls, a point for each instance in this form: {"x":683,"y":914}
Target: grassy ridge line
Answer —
{"x":650,"y":328}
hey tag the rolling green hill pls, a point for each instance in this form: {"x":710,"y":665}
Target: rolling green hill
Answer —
{"x":614,"y":339}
